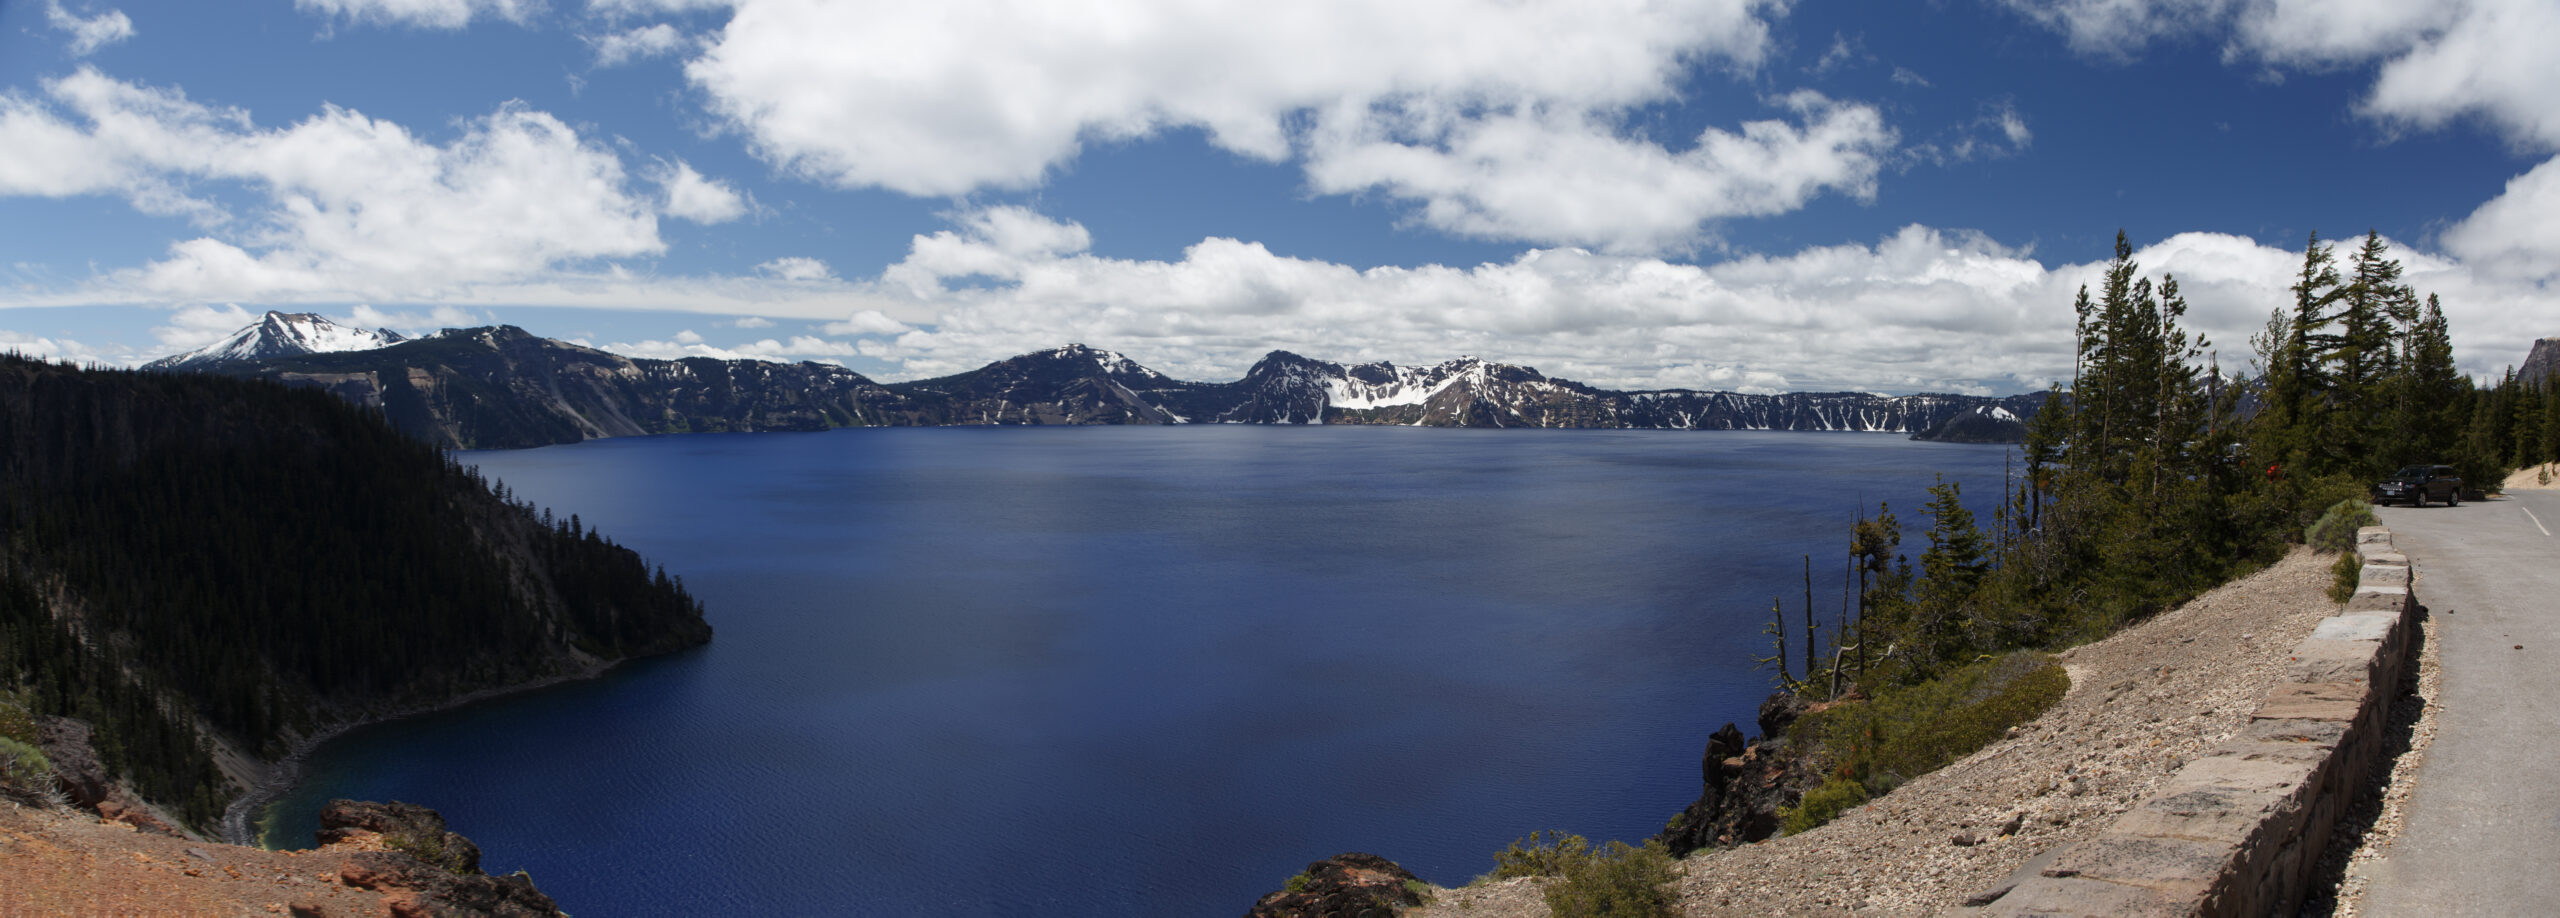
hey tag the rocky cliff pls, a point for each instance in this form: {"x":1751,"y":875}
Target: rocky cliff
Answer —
{"x":2543,"y":362}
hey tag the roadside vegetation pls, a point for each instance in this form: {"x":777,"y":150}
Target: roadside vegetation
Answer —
{"x":2155,"y":475}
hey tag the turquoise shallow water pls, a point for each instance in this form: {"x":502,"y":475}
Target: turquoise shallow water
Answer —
{"x":1143,"y":671}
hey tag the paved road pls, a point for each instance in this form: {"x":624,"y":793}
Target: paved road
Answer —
{"x":2481,"y":834}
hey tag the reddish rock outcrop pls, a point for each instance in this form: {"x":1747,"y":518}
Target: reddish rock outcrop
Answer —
{"x":1351,"y":885}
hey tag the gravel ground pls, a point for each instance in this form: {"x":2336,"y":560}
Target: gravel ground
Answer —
{"x":2142,"y":703}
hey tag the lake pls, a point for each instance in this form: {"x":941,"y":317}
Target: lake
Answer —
{"x":1138,"y":671}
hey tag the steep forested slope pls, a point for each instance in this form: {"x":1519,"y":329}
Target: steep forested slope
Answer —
{"x":189,"y":557}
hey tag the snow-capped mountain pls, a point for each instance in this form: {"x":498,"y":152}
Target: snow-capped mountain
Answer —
{"x":503,"y":387}
{"x":281,"y":334}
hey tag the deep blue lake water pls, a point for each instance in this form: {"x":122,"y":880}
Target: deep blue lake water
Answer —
{"x":1137,"y":671}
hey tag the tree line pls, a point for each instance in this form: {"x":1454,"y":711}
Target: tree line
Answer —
{"x":184,"y":556}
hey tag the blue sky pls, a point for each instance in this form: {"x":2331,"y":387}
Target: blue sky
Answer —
{"x":1735,"y":194}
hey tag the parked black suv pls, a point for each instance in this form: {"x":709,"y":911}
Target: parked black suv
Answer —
{"x":2419,"y":483}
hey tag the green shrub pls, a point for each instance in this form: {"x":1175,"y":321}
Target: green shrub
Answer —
{"x":1298,"y":884}
{"x":2344,"y":575}
{"x":2336,"y":529}
{"x":1421,"y":890}
{"x":1909,"y":731}
{"x":16,"y":722}
{"x":1620,"y":882}
{"x":23,"y":768}
{"x":1542,"y":854}
{"x":1837,"y":795}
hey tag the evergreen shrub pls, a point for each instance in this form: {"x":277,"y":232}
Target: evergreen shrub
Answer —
{"x":2336,"y":528}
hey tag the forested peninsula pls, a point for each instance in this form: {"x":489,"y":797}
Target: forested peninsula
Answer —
{"x":209,"y":572}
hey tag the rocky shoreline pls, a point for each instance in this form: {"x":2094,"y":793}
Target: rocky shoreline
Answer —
{"x":279,"y":776}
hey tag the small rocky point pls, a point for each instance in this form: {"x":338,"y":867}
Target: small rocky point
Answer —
{"x":1352,"y":885}
{"x":88,"y":846}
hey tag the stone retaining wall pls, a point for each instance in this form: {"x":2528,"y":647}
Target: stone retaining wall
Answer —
{"x":2239,"y":830}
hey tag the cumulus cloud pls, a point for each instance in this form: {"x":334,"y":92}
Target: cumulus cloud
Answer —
{"x":753,"y":322}
{"x":614,"y":49}
{"x":950,"y":98}
{"x":1572,"y":177}
{"x":353,"y":208}
{"x":1921,"y":309}
{"x":2516,"y":234}
{"x":690,"y":196}
{"x":430,"y":14}
{"x":89,"y":33}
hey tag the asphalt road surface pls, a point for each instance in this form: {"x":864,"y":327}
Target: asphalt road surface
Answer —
{"x":2481,"y":833}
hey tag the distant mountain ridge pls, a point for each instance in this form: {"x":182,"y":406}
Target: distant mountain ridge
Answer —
{"x":280,"y":334}
{"x":503,"y":387}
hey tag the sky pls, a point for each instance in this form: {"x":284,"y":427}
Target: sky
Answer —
{"x":1759,"y":195}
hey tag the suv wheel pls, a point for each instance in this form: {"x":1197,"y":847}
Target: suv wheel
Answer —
{"x":2453,"y":498}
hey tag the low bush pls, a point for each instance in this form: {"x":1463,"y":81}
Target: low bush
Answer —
{"x":1620,"y":882}
{"x":1542,"y":854}
{"x":1837,"y":795}
{"x":24,"y":771}
{"x":2344,"y":575}
{"x":1909,"y":731}
{"x":2336,"y":528}
{"x":1617,"y":881}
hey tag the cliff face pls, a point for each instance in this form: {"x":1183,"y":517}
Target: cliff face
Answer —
{"x":503,"y":387}
{"x":211,"y":570}
{"x":2543,"y":362}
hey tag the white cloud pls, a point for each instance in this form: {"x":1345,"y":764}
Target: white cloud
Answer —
{"x":689,"y":196}
{"x":615,"y":49}
{"x":753,"y":322}
{"x":30,"y":345}
{"x":1997,"y":133}
{"x":431,"y":14}
{"x":2440,"y":60}
{"x":192,"y":327}
{"x":953,"y":97}
{"x":1572,"y":178}
{"x":797,"y":268}
{"x":2517,"y":233}
{"x":2122,"y":28}
{"x":89,"y":33}
{"x":867,"y":322}
{"x":1921,"y":309}
{"x":354,"y":208}
{"x":439,"y":317}
{"x":610,"y":8}
{"x":690,"y":344}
